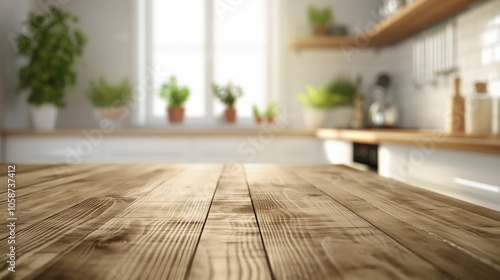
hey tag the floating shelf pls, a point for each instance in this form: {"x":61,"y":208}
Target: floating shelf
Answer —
{"x":409,"y":20}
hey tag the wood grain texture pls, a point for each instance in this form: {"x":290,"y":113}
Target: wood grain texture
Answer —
{"x":153,"y":238}
{"x":157,"y":221}
{"x":444,"y":233}
{"x":230,"y":246}
{"x":481,"y":143}
{"x":308,"y":235}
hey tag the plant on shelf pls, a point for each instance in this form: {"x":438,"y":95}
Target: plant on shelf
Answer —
{"x":320,"y":19}
{"x":228,"y":95}
{"x":317,"y":102}
{"x":342,"y":91}
{"x":257,"y":115}
{"x":51,"y":46}
{"x":110,"y":100}
{"x":271,"y":112}
{"x":175,"y":96}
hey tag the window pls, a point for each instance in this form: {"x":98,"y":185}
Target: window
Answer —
{"x":205,"y":41}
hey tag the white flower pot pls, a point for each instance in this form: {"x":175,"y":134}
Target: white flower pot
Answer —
{"x":339,"y":117}
{"x":315,"y":118}
{"x":44,"y":117}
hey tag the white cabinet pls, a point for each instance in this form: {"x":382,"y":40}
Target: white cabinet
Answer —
{"x":210,"y":149}
{"x":473,"y":177}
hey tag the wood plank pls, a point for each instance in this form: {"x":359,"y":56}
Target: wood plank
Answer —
{"x":307,"y":235}
{"x":57,"y":232}
{"x":411,"y":19}
{"x":461,"y":249}
{"x":326,"y":42}
{"x":230,"y":246}
{"x":58,"y":224}
{"x":37,"y":206}
{"x":154,"y":238}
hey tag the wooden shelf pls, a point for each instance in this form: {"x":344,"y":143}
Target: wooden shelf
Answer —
{"x":409,"y":20}
{"x":325,"y":42}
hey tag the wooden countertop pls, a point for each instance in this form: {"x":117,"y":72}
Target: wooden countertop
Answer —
{"x":486,"y":143}
{"x":161,"y":132}
{"x":241,"y":222}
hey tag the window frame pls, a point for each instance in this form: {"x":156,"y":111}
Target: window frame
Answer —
{"x":210,"y":119}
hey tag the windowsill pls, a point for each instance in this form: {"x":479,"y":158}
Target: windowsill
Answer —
{"x":170,"y":131}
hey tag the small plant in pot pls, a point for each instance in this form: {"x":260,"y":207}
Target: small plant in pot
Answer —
{"x":317,"y":102}
{"x":271,"y":112}
{"x":257,"y":115}
{"x":51,"y":47}
{"x":176,"y":97}
{"x":110,"y":100}
{"x":320,"y":20}
{"x":228,"y":95}
{"x":342,"y":93}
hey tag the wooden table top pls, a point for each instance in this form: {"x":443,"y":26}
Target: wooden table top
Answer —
{"x":140,"y":221}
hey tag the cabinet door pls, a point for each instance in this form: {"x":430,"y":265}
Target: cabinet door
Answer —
{"x":142,"y":149}
{"x":70,"y":150}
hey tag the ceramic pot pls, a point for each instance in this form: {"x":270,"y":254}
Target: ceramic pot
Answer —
{"x":258,"y":120}
{"x":315,"y":118}
{"x":44,"y":117}
{"x":176,"y":115}
{"x":339,"y":117}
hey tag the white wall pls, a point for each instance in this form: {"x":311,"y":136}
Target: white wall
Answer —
{"x":14,"y":111}
{"x":108,"y":25}
{"x":425,"y":107}
{"x":320,"y":66}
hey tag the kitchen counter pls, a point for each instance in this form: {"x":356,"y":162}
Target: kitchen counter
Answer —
{"x":221,"y":132}
{"x":485,"y":143}
{"x":157,"y":221}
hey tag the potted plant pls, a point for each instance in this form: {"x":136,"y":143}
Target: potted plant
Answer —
{"x":317,"y":102}
{"x":320,"y":19}
{"x":342,"y":94}
{"x":51,"y":47}
{"x":110,"y":100}
{"x":256,"y":114}
{"x":270,"y":112}
{"x":176,"y":97}
{"x":228,"y":95}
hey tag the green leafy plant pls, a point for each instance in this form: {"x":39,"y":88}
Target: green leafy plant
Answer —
{"x":103,"y":95}
{"x":271,"y":110}
{"x":51,"y":46}
{"x":175,"y":95}
{"x":256,"y":113}
{"x":319,"y":17}
{"x":342,"y":91}
{"x":228,"y":94}
{"x":316,"y":98}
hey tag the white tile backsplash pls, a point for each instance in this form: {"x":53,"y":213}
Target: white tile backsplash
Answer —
{"x":477,"y":38}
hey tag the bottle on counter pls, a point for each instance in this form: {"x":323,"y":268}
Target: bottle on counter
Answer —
{"x":455,"y":113}
{"x":478,"y":111}
{"x":357,"y":117}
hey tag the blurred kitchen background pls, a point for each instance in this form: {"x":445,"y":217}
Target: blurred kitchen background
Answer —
{"x":408,"y":89}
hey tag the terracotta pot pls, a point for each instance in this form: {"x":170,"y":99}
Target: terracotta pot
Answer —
{"x":230,"y":115}
{"x":270,"y":119}
{"x":175,"y":115}
{"x":321,"y":30}
{"x":258,"y":120}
